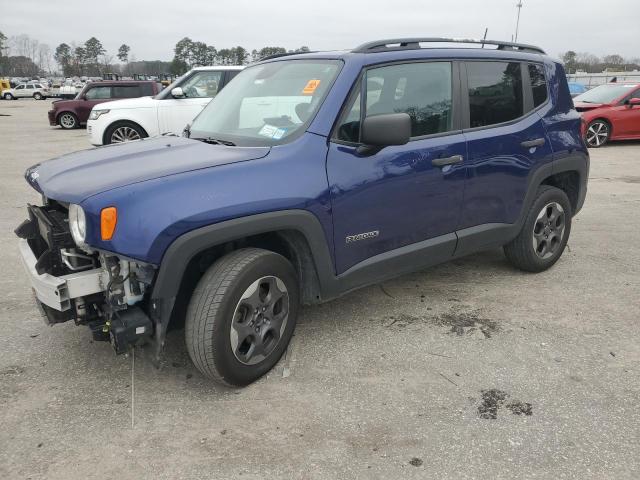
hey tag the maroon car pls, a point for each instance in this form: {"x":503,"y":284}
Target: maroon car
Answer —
{"x":73,"y":113}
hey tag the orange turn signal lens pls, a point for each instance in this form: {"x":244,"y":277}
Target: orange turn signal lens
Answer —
{"x":108,"y":220}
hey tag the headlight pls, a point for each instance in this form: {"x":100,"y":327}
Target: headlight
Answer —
{"x":77,"y":224}
{"x":95,"y":114}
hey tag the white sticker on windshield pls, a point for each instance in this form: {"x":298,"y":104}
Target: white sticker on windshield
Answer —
{"x":279,"y":133}
{"x":272,"y":132}
{"x":268,"y":131}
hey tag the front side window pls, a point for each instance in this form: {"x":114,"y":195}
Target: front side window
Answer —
{"x":20,"y":87}
{"x":495,"y":92}
{"x":267,"y":104}
{"x":422,"y":90}
{"x":202,"y":85}
{"x":538,"y":84}
{"x":126,"y":91}
{"x":97,"y":93}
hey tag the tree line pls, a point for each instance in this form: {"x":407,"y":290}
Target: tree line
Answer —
{"x":590,"y":63}
{"x":22,"y":56}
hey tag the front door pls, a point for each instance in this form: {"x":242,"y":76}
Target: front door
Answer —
{"x":400,"y":195}
{"x":21,"y":91}
{"x":175,"y":113}
{"x":626,"y":118}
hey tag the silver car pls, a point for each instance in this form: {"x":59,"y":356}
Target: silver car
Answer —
{"x":24,"y":90}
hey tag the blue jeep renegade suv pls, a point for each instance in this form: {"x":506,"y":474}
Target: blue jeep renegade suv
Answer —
{"x":308,"y":176}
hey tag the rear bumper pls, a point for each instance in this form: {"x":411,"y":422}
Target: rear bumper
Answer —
{"x":58,"y":293}
{"x":52,"y":118}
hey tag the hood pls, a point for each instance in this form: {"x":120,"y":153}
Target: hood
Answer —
{"x":583,"y":106}
{"x":76,"y":176}
{"x":140,"y":102}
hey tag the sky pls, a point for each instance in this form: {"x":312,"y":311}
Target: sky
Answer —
{"x":152,"y":28}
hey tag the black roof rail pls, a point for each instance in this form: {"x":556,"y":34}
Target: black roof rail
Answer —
{"x":414,"y":44}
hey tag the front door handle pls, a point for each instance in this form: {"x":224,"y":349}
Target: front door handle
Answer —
{"x":538,"y":142}
{"x":441,"y":162}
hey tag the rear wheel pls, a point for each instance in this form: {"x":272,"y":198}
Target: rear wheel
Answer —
{"x":544,"y":234}
{"x":37,"y":96}
{"x":68,"y":121}
{"x":241,"y":316}
{"x":123,"y":132}
{"x":598,"y":133}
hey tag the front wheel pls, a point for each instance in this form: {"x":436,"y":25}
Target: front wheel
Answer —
{"x":122,"y":132}
{"x":68,"y":121}
{"x":598,"y":133}
{"x":241,"y":316}
{"x":8,"y":96}
{"x":545,"y":232}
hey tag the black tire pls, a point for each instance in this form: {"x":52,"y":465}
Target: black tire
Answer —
{"x":526,"y":251}
{"x":8,"y":96}
{"x":215,"y":305}
{"x":116,"y":127}
{"x":598,"y":133}
{"x":68,"y":121}
{"x":38,"y":96}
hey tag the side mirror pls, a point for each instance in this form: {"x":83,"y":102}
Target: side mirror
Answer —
{"x":379,"y":131}
{"x":177,"y":92}
{"x":633,"y":102}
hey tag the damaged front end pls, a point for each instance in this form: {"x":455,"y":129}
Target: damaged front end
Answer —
{"x":72,"y":281}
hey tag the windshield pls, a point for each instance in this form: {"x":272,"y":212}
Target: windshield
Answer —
{"x":267,"y":104}
{"x":605,"y":93}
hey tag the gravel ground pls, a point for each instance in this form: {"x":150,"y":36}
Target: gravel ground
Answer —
{"x":468,"y":370}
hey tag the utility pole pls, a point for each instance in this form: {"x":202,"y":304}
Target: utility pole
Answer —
{"x":519,"y":7}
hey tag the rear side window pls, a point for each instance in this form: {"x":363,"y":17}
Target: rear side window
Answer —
{"x":495,"y":92}
{"x":422,"y":90}
{"x":538,"y":84}
{"x":126,"y":91}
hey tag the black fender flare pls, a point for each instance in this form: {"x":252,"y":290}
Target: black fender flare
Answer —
{"x":187,"y":246}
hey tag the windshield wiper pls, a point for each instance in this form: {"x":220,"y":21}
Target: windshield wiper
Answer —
{"x":215,"y":141}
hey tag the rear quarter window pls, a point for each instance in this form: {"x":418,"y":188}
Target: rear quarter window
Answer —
{"x":538,"y":83}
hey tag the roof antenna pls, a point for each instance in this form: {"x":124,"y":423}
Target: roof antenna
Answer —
{"x":486,"y":30}
{"x":519,"y":7}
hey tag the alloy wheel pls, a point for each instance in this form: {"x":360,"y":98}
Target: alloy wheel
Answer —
{"x":37,"y":96}
{"x":597,"y":134}
{"x":67,"y":120}
{"x":259,"y":320}
{"x":124,"y":134}
{"x":548,"y":230}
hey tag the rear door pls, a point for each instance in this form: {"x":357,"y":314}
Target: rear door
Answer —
{"x":175,"y":113}
{"x":506,"y":140}
{"x":400,"y":195}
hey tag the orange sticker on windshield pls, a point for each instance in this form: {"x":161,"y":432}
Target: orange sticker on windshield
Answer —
{"x":310,"y":87}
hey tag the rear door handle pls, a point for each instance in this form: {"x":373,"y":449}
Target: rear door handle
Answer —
{"x":538,"y":142}
{"x":441,"y":162}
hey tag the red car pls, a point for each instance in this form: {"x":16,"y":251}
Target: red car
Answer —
{"x":610,"y":112}
{"x":73,"y":113}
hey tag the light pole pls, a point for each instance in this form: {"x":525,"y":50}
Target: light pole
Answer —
{"x":519,"y":7}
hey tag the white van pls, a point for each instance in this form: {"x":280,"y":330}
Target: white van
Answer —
{"x":168,"y":112}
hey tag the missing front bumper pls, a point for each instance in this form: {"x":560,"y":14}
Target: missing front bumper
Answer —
{"x":58,"y":293}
